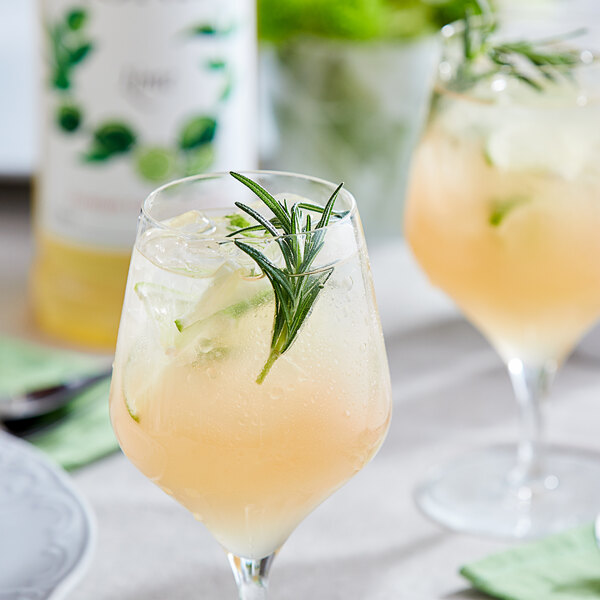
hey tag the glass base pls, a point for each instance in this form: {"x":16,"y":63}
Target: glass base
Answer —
{"x":477,"y":494}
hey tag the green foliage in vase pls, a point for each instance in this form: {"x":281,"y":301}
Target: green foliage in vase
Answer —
{"x":280,"y":20}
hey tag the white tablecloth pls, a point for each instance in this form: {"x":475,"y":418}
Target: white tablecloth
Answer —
{"x":368,"y":541}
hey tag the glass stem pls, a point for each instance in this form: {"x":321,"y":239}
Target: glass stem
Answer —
{"x":251,"y":576}
{"x":531,"y":385}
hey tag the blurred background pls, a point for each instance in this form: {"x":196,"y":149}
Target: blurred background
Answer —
{"x":343,"y":86}
{"x":18,"y":72}
{"x":342,"y":92}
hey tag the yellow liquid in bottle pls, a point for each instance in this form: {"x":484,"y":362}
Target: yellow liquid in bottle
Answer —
{"x":78,"y":291}
{"x":112,"y":128}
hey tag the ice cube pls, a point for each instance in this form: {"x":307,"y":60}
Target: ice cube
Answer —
{"x":340,"y":244}
{"x":193,"y":257}
{"x":193,"y":222}
{"x":559,"y":147}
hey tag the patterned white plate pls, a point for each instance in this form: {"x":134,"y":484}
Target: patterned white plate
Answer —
{"x":46,"y":529}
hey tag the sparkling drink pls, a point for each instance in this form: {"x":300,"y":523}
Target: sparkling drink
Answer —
{"x":514,"y":205}
{"x":504,"y":215}
{"x":249,"y":446}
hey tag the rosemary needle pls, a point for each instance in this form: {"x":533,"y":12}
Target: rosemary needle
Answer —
{"x":296,"y":288}
{"x":533,"y":62}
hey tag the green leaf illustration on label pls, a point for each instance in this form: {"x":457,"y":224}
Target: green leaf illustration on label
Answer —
{"x":156,"y":163}
{"x":197,"y":132}
{"x":109,"y":139}
{"x":205,"y":30}
{"x":77,"y":54}
{"x":216,"y":64}
{"x":76,"y":19}
{"x":209,"y":29}
{"x":189,"y":152}
{"x":228,"y":87}
{"x":68,"y":117}
{"x":68,"y":47}
{"x":198,"y":160}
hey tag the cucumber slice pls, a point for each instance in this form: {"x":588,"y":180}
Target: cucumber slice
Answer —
{"x":503,"y":208}
{"x":230,"y":294}
{"x":163,"y":305}
{"x":137,"y":380}
{"x":536,"y":147}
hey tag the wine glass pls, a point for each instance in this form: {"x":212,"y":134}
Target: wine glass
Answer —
{"x":504,"y":215}
{"x":250,"y":378}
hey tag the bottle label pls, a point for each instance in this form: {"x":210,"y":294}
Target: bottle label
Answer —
{"x":137,"y":93}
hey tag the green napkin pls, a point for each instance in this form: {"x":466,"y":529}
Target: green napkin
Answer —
{"x":83,"y":433}
{"x":565,"y":566}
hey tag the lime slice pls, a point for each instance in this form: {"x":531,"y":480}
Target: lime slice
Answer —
{"x":131,"y":407}
{"x":501,"y":209}
{"x":230,"y":290}
{"x":138,"y":380}
{"x":235,"y":311}
{"x":217,"y":337}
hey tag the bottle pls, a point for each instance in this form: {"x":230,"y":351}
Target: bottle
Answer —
{"x":135,"y":93}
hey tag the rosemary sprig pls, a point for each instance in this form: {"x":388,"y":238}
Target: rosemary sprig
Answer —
{"x":535,"y":63}
{"x":296,"y":288}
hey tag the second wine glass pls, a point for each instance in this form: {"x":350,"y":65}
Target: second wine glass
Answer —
{"x":504,"y":215}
